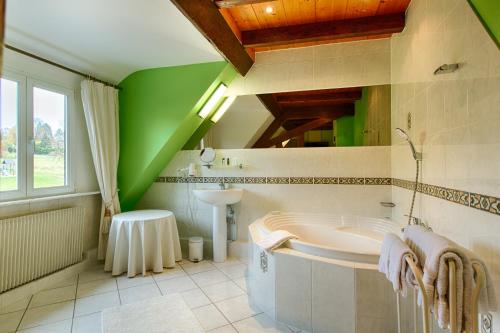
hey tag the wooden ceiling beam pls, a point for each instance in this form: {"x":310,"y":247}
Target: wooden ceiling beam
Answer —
{"x":271,"y":104}
{"x":332,"y":112}
{"x":268,"y":133}
{"x":206,"y":17}
{"x":297,"y":131}
{"x":236,"y":3}
{"x":333,"y":96}
{"x":321,"y":31}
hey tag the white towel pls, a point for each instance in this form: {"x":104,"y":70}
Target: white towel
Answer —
{"x":433,"y":252}
{"x":275,"y":239}
{"x":393,"y":264}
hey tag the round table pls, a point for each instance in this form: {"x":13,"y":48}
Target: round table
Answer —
{"x":142,"y":240}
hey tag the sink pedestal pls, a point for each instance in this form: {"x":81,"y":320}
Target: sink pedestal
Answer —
{"x":219,"y":233}
{"x":219,"y":199}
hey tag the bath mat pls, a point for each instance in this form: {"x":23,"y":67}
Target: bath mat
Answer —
{"x":165,"y":314}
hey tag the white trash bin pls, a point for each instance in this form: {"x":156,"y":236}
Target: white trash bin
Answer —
{"x":195,"y":249}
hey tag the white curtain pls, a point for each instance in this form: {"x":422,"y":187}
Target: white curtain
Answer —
{"x":100,"y":103}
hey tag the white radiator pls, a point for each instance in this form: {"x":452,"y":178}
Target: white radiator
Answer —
{"x":35,"y":245}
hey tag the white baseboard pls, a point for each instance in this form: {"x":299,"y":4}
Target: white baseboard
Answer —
{"x":33,"y":287}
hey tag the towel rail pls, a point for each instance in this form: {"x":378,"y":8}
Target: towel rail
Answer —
{"x":452,"y":293}
{"x":417,"y":272}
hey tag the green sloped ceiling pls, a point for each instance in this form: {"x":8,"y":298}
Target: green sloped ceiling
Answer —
{"x":158,"y":115}
{"x":488,"y":12}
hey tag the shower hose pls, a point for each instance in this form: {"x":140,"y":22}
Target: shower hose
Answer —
{"x":410,"y":215}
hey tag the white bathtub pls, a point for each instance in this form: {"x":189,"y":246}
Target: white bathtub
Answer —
{"x":327,"y":280}
{"x":351,"y":238}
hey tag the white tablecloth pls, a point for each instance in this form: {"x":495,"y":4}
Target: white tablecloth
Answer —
{"x":142,"y":240}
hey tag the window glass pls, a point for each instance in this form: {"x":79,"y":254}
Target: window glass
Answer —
{"x":9,"y":108}
{"x":49,"y":135}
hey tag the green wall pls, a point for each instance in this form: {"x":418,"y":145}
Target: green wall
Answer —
{"x":360,"y":112}
{"x":488,"y":12}
{"x":158,"y":115}
{"x":344,"y":131}
{"x":349,"y":130}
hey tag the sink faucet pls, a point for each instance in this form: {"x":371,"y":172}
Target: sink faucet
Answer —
{"x":222,"y":184}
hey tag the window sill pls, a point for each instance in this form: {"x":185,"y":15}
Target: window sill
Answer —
{"x":47,"y":198}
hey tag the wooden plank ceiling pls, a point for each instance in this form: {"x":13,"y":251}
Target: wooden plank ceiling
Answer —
{"x":302,"y":111}
{"x":247,"y":17}
{"x":239,"y":28}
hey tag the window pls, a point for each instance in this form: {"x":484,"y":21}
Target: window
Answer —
{"x":34,"y":141}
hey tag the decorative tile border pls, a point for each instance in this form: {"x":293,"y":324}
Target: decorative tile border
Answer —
{"x":279,"y":180}
{"x":482,"y":202}
{"x":478,"y":201}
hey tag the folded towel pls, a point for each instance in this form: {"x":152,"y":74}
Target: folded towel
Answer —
{"x":275,"y":239}
{"x":433,"y":252}
{"x":393,"y":263}
{"x":487,"y":299}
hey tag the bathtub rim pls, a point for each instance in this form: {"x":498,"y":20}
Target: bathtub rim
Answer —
{"x":364,"y":260}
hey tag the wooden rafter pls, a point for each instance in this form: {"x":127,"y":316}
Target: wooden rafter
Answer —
{"x":320,"y":31}
{"x":268,"y":133}
{"x":235,"y":3}
{"x":206,"y":17}
{"x":297,"y":131}
{"x":326,"y":95}
{"x":331,"y":112}
{"x":269,"y":101}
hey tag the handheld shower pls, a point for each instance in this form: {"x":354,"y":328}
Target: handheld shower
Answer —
{"x":416,"y":155}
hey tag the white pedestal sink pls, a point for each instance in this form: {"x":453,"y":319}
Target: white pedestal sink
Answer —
{"x":219,"y":199}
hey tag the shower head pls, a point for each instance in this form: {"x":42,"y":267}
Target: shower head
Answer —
{"x":416,"y":155}
{"x":402,"y":134}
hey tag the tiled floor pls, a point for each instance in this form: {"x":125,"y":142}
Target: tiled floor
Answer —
{"x":216,"y":293}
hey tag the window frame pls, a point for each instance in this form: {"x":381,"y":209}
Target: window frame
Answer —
{"x":21,"y":137}
{"x":26,"y":187}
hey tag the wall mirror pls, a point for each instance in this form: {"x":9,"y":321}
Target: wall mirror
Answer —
{"x":207,"y":155}
{"x":344,"y":117}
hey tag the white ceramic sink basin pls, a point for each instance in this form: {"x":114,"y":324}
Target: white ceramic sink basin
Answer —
{"x":219,"y":197}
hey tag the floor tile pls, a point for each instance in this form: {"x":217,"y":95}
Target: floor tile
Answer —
{"x":208,"y":278}
{"x":209,"y":317}
{"x":139,"y":293}
{"x":235,"y":271}
{"x":176,"y":285}
{"x":260,"y":323}
{"x":47,"y":314}
{"x":228,"y":262}
{"x":126,"y":282}
{"x":169,"y":273}
{"x":224,"y":329}
{"x":221,"y":291}
{"x":69,"y":281}
{"x":203,"y":266}
{"x":195,"y":298}
{"x":52,"y":296}
{"x":237,"y":308}
{"x":96,"y":303}
{"x":242,"y":283}
{"x":19,"y":305}
{"x":95,"y":287}
{"x":93,"y":274}
{"x":88,"y":324}
{"x":10,"y":321}
{"x":58,"y":327}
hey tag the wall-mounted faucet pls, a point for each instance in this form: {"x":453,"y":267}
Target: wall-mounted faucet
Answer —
{"x":222,"y":184}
